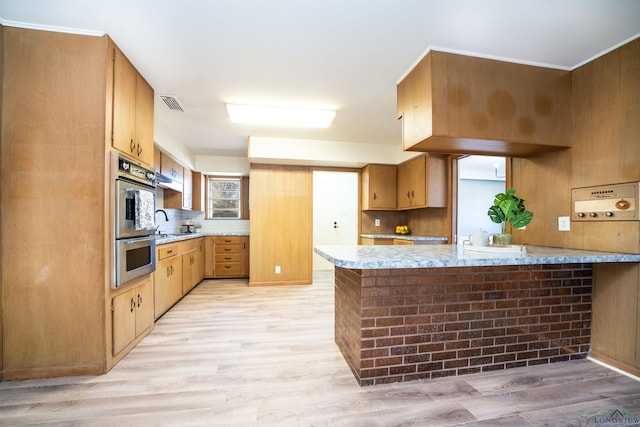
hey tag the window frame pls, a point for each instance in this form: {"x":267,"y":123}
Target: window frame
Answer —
{"x":243,"y":196}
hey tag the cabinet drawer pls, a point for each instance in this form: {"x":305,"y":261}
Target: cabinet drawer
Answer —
{"x":189,"y":245}
{"x":167,"y":251}
{"x":228,"y":249}
{"x":230,"y":240}
{"x":230,"y":257}
{"x":229,"y":269}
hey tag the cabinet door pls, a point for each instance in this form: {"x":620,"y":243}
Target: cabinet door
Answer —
{"x":124,"y":104}
{"x":379,"y":187}
{"x":124,"y":320}
{"x":144,"y":306}
{"x":168,"y":284}
{"x":209,"y":256}
{"x":171,"y":168}
{"x":417,"y":173}
{"x":189,"y":271}
{"x":144,"y":120}
{"x":406,"y":109}
{"x":422,"y":103}
{"x":404,"y":186}
{"x":199,"y":261}
{"x":187,"y":189}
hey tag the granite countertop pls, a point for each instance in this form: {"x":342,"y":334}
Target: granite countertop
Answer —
{"x":428,"y":256}
{"x":171,"y":238}
{"x":404,"y":237}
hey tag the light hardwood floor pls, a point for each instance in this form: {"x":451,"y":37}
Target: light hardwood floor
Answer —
{"x":230,"y":355}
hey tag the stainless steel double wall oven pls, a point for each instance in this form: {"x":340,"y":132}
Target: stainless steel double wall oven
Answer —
{"x":135,"y":204}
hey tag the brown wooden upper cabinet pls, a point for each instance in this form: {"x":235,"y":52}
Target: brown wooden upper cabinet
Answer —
{"x":132,"y":131}
{"x":422,"y":182}
{"x":461,"y":104}
{"x":379,"y":187}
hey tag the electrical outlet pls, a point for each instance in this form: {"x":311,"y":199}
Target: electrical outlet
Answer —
{"x":277,"y":269}
{"x":564,"y":223}
{"x":377,"y":222}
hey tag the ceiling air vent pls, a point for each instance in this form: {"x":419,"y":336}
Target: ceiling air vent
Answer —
{"x":172,"y":103}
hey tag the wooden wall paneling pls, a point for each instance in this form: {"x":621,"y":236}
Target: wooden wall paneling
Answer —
{"x":281,"y":225}
{"x":605,"y":105}
{"x":51,"y":280}
{"x":1,"y":163}
{"x":629,"y":108}
{"x":614,"y":324}
{"x":388,"y":221}
{"x":601,"y":122}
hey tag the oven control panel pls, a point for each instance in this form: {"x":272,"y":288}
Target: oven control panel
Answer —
{"x":615,"y":202}
{"x":136,"y":172}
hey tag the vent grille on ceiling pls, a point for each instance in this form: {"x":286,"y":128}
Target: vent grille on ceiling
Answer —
{"x":172,"y":103}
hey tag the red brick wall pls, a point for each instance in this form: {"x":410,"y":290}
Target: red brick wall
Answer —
{"x":406,"y":324}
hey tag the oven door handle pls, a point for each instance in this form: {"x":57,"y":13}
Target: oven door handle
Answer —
{"x":138,"y":240}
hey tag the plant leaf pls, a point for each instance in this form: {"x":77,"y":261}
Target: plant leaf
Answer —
{"x":496,"y":215}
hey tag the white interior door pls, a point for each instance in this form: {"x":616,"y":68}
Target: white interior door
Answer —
{"x":335,"y":211}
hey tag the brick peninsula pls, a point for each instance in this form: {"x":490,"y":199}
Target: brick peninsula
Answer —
{"x":413,"y":312}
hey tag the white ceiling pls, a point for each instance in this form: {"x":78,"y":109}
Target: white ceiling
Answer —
{"x":347,"y":54}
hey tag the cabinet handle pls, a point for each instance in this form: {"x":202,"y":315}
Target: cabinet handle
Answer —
{"x":375,"y":196}
{"x":413,"y":193}
{"x":132,"y":146}
{"x":170,"y":251}
{"x":139,"y":300}
{"x":227,"y":249}
{"x":227,"y":266}
{"x":172,"y":270}
{"x":227,"y":258}
{"x":139,"y":150}
{"x":168,"y":271}
{"x":133,"y":305}
{"x":408,"y":194}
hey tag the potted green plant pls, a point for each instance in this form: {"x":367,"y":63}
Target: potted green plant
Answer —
{"x":508,"y":208}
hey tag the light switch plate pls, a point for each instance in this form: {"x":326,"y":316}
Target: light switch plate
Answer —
{"x":564,"y":223}
{"x":377,"y":222}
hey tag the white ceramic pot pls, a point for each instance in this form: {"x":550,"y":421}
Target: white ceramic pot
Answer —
{"x":480,"y":238}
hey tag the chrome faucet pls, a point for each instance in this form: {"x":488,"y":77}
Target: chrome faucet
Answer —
{"x":166,"y":217}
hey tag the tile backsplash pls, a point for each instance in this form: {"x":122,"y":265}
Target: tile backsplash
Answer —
{"x":178,"y":217}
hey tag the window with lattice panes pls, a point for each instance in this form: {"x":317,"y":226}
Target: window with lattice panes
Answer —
{"x":224,"y":197}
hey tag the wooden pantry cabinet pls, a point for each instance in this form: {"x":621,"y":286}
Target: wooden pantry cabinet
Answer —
{"x":60,"y":102}
{"x":133,"y":98}
{"x":422,"y":182}
{"x":227,"y":256}
{"x":378,"y":187}
{"x":452,"y":103}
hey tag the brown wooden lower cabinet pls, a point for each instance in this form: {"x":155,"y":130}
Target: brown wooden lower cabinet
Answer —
{"x":132,"y":314}
{"x":179,"y":268}
{"x":226,"y":256}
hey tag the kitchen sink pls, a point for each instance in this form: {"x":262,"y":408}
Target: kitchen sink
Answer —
{"x":167,"y":235}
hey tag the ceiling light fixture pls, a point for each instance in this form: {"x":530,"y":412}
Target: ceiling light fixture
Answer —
{"x":280,"y":116}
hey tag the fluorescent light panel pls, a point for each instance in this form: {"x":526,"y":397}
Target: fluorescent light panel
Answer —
{"x":280,"y":116}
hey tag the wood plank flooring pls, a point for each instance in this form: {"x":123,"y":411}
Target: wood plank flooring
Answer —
{"x":230,"y":355}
